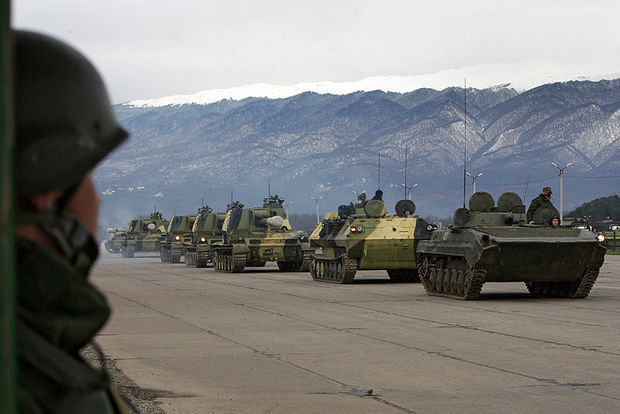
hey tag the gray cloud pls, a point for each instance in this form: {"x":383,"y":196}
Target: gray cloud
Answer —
{"x":156,"y":48}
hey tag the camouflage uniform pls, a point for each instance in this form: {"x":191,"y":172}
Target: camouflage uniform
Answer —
{"x":538,"y":202}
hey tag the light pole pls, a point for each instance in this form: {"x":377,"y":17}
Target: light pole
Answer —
{"x":316,"y":200}
{"x":474,"y":178}
{"x":409,"y":188}
{"x":561,"y":188}
{"x":288,"y":203}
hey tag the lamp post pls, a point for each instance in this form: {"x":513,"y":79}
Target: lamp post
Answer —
{"x":561,"y":188}
{"x":474,"y":178}
{"x":409,"y":188}
{"x":316,"y":200}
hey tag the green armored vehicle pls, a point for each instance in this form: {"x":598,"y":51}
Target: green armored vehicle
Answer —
{"x":178,"y":234}
{"x":495,"y":244}
{"x":254,"y":236}
{"x":363,"y":236}
{"x":206,"y":233}
{"x":141,"y":235}
{"x":113,"y":245}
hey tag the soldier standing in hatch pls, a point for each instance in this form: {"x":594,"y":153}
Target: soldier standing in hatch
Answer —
{"x":543,"y":200}
{"x":64,"y":126}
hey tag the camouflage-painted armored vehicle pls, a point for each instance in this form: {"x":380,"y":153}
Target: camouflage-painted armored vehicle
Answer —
{"x":179,"y":233}
{"x":141,"y":235}
{"x":113,"y":245}
{"x":495,"y":244}
{"x":206,"y":233}
{"x":363,"y":236}
{"x":254,"y":236}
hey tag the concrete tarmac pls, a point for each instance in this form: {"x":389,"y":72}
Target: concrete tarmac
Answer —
{"x":199,"y":341}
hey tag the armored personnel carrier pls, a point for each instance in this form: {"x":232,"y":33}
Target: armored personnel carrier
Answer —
{"x":206,"y":233}
{"x":141,"y":235}
{"x":178,"y":234}
{"x":363,"y":236}
{"x":489,"y":243}
{"x":254,"y":236}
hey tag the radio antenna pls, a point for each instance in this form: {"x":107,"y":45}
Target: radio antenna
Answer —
{"x":379,"y":173}
{"x":269,"y":188}
{"x":527,"y":182}
{"x":231,"y":197}
{"x":465,"y":144}
{"x":406,"y":151}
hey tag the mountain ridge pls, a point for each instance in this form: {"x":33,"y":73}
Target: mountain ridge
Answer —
{"x":323,"y":144}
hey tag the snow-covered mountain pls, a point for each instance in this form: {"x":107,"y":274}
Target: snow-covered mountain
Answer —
{"x":313,"y":145}
{"x":521,"y":76}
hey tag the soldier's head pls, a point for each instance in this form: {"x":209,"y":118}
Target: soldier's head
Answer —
{"x":64,"y":126}
{"x":555,"y":221}
{"x":546,"y":191}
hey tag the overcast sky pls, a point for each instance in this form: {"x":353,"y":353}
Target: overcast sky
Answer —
{"x":155,"y":48}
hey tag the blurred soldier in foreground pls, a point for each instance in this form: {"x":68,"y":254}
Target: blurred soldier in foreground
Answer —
{"x":64,"y":127}
{"x":542,"y":201}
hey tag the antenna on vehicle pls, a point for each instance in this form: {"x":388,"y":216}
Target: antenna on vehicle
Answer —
{"x":527,"y":182}
{"x":465,"y":146}
{"x":269,"y":188}
{"x":406,"y":150}
{"x":379,"y":173}
{"x":203,"y":201}
{"x":231,"y":197}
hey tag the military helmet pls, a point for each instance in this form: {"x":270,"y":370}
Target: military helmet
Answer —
{"x":64,"y":121}
{"x":546,"y":190}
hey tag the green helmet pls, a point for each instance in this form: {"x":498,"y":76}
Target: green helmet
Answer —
{"x":64,"y":120}
{"x":546,"y":190}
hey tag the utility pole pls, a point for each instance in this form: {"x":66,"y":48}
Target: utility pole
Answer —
{"x":561,"y":188}
{"x":474,"y":178}
{"x":316,"y":200}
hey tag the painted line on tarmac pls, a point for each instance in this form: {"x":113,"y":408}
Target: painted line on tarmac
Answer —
{"x":436,"y":353}
{"x":352,"y":390}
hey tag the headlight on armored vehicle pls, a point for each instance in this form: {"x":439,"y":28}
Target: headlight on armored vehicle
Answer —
{"x":357,"y":229}
{"x":601,"y":238}
{"x":353,"y":229}
{"x":202,"y":240}
{"x":177,"y":237}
